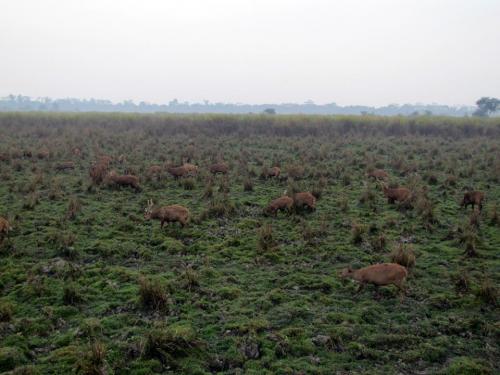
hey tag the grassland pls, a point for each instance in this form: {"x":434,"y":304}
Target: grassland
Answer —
{"x":88,"y":286}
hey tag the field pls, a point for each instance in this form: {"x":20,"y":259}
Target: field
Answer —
{"x":87,"y":285}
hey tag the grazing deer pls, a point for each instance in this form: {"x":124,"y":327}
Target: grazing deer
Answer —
{"x":125,"y":180}
{"x":167,"y":214}
{"x":177,"y":172}
{"x":64,"y":166}
{"x":221,"y":168}
{"x":284,"y":203}
{"x":304,"y":200}
{"x":473,"y":198}
{"x":378,"y":275}
{"x":378,"y":174}
{"x":5,"y":228}
{"x":270,"y":172}
{"x":399,"y":194}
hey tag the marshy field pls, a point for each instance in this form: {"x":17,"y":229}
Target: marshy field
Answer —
{"x":89,"y":285}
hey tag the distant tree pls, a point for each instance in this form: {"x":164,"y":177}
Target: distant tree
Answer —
{"x":486,"y":106}
{"x":270,"y":111}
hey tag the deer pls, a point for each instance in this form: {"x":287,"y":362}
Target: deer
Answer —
{"x":379,"y":275}
{"x":304,"y":200}
{"x":105,"y":160}
{"x":154,"y":171}
{"x":191,"y":169}
{"x":97,"y":172}
{"x":284,"y":203}
{"x":66,"y":165}
{"x":167,"y":214}
{"x":221,"y":168}
{"x":183,"y":170}
{"x":43,"y":153}
{"x":5,"y":228}
{"x":271,"y":172}
{"x":400,"y":194}
{"x":378,"y":174}
{"x":124,"y":180}
{"x":473,"y":198}
{"x":77,"y":152}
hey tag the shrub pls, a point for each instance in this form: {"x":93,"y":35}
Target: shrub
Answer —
{"x":295,"y":171}
{"x":74,"y":206}
{"x":188,"y":184}
{"x":403,"y":255}
{"x":94,"y":360}
{"x":265,"y":239}
{"x":219,"y":207}
{"x":378,"y":243}
{"x":190,"y":279}
{"x":167,"y":344}
{"x":494,"y":216}
{"x":357,"y":231}
{"x":10,"y":358}
{"x":467,"y":366}
{"x":72,"y":294}
{"x":461,"y":281}
{"x":6,"y":311}
{"x":470,"y":239}
{"x":152,"y":294}
{"x":488,"y":292}
{"x":247,"y":185}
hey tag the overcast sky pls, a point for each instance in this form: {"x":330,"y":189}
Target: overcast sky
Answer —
{"x":372,"y":52}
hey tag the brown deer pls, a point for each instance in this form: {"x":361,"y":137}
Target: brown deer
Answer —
{"x":154,"y":171}
{"x":177,"y":172}
{"x":221,"y":168}
{"x":400,"y":194}
{"x":43,"y":153}
{"x":124,"y":180}
{"x":192,"y":170}
{"x":167,"y":214}
{"x":473,"y":198}
{"x":77,"y":152}
{"x":284,"y":203}
{"x":105,"y":160}
{"x":304,"y":200}
{"x":378,"y":275}
{"x":378,"y":174}
{"x":64,"y":166}
{"x":5,"y":228}
{"x":98,"y":172}
{"x":270,"y":172}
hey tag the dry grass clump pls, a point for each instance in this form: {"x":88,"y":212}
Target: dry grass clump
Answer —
{"x":403,"y":255}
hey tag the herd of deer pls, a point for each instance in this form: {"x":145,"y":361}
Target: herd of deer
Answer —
{"x":378,"y":274}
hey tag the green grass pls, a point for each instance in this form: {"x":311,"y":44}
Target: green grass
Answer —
{"x":101,"y":289}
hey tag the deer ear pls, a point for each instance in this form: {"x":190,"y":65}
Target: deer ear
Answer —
{"x":349,"y":268}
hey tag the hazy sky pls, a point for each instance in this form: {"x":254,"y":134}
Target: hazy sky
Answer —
{"x":372,"y":52}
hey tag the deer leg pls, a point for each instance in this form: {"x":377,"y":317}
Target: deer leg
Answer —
{"x":360,"y":288}
{"x":161,"y":225}
{"x":402,"y":289}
